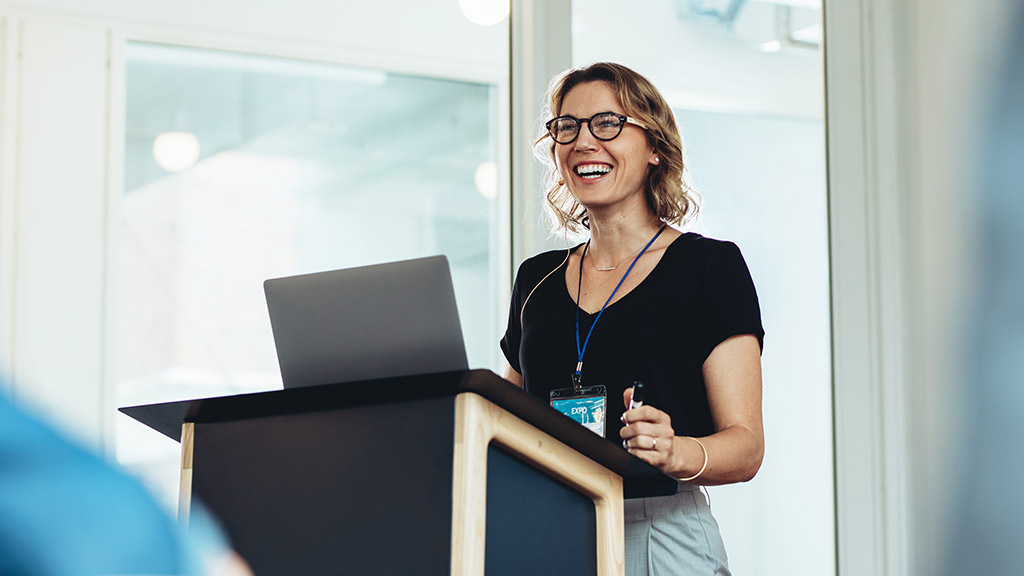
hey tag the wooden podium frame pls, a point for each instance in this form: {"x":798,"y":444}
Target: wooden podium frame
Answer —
{"x":478,"y":423}
{"x":488,"y":413}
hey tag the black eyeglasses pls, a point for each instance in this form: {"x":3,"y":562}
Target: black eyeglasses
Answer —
{"x":604,"y":126}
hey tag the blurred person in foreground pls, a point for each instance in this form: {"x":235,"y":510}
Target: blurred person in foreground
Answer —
{"x":987,"y":531}
{"x":64,"y":511}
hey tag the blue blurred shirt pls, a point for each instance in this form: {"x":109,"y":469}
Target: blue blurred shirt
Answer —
{"x":65,"y":511}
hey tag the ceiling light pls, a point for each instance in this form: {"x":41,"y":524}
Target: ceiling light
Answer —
{"x":772,"y":46}
{"x":486,"y":179}
{"x":176,"y":151}
{"x":484,"y":12}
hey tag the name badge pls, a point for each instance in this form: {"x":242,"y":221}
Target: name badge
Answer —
{"x":587,"y":405}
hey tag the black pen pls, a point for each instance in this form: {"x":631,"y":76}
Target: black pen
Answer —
{"x":636,"y":400}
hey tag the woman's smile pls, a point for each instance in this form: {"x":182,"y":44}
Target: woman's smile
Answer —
{"x":592,"y":170}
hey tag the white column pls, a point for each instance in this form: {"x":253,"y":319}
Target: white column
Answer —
{"x":541,"y":48}
{"x":59,"y":199}
{"x":863,"y":53}
{"x":8,"y":122}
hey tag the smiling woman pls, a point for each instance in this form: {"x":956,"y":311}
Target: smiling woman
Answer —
{"x":754,"y":137}
{"x":701,"y":417}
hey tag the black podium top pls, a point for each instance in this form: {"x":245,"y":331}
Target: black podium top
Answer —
{"x":640,"y":479}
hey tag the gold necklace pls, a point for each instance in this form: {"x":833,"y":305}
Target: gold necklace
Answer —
{"x":602,"y":269}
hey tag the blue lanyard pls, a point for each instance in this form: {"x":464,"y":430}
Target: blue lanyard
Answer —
{"x":577,"y":377}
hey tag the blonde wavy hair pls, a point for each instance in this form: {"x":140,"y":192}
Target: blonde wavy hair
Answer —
{"x":667,"y":190}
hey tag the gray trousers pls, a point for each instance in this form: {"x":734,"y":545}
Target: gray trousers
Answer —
{"x":674,"y":536}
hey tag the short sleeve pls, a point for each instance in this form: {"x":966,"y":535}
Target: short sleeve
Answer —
{"x":728,"y":305}
{"x":514,"y":332}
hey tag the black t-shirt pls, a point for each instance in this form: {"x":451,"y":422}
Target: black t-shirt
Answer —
{"x":661,"y":332}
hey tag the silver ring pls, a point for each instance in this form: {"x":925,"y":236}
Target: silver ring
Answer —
{"x":655,"y":447}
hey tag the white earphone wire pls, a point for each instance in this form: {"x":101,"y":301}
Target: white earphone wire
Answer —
{"x":565,"y":234}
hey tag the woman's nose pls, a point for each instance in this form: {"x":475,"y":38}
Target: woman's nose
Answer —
{"x":585,"y":139}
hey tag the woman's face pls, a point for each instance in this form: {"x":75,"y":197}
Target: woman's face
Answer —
{"x":603,"y":174}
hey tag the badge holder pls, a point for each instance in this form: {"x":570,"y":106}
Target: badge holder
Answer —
{"x":586,"y":405}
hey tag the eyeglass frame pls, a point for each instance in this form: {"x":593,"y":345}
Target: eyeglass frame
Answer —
{"x":579,"y":121}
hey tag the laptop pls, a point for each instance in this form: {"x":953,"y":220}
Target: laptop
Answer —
{"x":380,"y":321}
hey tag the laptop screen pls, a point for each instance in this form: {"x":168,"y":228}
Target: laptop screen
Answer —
{"x":380,"y":321}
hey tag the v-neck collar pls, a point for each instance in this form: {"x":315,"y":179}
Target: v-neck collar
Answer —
{"x":625,"y":295}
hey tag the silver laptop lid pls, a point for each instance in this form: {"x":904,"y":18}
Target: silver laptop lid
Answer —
{"x":385,"y":320}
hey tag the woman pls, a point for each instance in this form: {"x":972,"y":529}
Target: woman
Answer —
{"x":642,"y":301}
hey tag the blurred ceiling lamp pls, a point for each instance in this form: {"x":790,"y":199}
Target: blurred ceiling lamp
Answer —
{"x":176,"y":151}
{"x":486,"y":179}
{"x":484,"y":12}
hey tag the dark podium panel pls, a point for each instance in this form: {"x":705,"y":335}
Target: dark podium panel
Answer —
{"x":521,"y":538}
{"x":308,"y":494}
{"x":448,"y":473}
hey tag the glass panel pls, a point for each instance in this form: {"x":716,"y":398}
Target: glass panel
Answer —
{"x":746,"y":84}
{"x":242,"y":168}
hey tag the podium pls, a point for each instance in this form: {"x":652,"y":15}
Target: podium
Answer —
{"x":454,"y":473}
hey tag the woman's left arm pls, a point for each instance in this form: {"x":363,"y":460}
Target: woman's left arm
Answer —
{"x":732,"y":376}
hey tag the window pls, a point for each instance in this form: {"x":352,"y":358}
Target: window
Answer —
{"x":241,"y":168}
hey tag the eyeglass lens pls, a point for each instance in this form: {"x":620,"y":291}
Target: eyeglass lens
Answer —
{"x":605,"y":126}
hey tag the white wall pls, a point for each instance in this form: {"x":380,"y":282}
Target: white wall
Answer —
{"x":427,"y":35}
